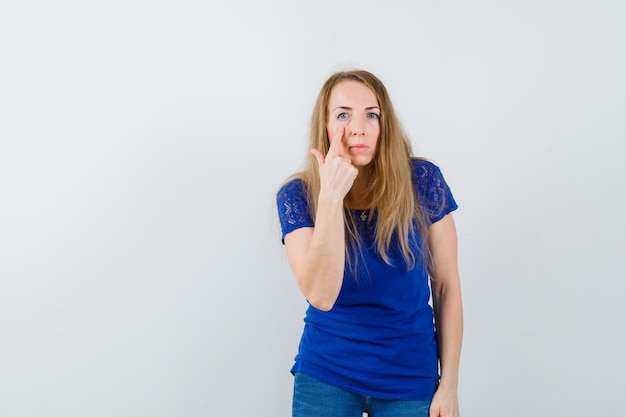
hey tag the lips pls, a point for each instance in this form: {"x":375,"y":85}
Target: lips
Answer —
{"x":359,"y":148}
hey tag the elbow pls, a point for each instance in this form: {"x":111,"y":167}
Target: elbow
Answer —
{"x":320,"y":297}
{"x":321,"y":288}
{"x":324,"y":304}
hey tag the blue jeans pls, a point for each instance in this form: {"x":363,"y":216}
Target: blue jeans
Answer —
{"x":314,"y":398}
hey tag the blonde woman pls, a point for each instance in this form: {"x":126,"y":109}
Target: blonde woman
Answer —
{"x":366,"y":227}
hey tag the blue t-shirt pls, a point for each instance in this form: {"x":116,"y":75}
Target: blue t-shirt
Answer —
{"x":379,"y":337}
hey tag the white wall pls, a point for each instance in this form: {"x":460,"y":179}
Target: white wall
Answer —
{"x":141,"y":142}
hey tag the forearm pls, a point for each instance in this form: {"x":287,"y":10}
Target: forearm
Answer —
{"x":449,"y":323}
{"x":322,"y":272}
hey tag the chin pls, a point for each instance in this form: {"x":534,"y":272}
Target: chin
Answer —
{"x":361,"y":162}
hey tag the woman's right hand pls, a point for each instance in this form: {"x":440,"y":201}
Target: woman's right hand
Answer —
{"x":317,"y":254}
{"x":337,"y":174}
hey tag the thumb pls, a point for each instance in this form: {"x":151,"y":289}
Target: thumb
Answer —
{"x":319,"y":156}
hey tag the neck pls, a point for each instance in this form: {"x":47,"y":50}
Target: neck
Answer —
{"x":359,"y":196}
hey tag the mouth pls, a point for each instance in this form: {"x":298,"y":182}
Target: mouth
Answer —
{"x":359,"y":148}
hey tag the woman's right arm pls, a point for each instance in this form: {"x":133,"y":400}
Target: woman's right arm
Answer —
{"x":317,"y":254}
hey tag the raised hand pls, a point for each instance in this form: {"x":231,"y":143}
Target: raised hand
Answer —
{"x":337,"y":174}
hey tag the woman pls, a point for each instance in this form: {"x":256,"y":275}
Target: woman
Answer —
{"x":365,"y":226}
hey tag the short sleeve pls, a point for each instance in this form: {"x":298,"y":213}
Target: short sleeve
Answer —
{"x":293,"y":207}
{"x":433,"y":192}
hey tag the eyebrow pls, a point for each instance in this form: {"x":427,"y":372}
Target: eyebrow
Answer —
{"x":350,"y":108}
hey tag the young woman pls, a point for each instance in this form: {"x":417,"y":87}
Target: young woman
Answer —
{"x":366,"y":227}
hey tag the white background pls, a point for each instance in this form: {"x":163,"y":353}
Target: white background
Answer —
{"x":141,"y":143}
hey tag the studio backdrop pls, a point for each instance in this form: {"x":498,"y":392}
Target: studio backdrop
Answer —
{"x":142,"y":143}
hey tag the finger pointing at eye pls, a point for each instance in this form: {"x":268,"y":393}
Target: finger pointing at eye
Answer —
{"x":335,"y":142}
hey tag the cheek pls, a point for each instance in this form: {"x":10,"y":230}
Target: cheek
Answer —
{"x":331,"y":128}
{"x":377,"y":139}
{"x":329,"y":134}
{"x":376,"y":132}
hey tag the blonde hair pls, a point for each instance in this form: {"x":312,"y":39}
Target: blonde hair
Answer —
{"x":391,"y":185}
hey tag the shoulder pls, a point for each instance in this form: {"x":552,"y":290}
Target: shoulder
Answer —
{"x":432,"y":190}
{"x":425,"y":172}
{"x":423,"y":168}
{"x":293,"y":196}
{"x":294,"y":187}
{"x":293,"y":206}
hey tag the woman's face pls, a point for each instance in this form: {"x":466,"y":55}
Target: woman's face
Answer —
{"x":354,"y":114}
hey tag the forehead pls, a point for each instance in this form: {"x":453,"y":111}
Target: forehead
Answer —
{"x":352,"y":94}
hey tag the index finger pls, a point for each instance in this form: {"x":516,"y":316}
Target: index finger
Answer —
{"x":335,"y":143}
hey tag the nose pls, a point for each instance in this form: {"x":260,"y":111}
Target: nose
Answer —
{"x":356,"y":128}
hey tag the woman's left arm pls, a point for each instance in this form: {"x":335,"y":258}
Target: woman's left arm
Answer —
{"x":448,"y":308}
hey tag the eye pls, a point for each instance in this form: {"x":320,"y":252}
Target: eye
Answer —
{"x":372,"y":115}
{"x":342,"y":116}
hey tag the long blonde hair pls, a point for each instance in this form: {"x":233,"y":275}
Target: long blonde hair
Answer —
{"x":391,"y":186}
